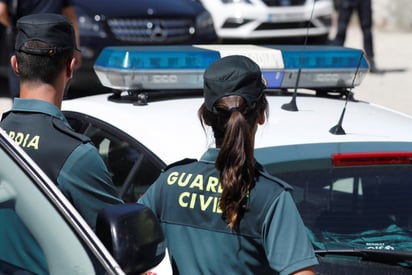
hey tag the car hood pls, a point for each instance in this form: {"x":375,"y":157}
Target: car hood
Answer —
{"x":130,"y":8}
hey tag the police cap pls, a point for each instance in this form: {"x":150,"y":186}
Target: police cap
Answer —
{"x":53,"y":29}
{"x":233,"y":75}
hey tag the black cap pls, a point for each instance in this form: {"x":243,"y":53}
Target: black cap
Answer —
{"x":53,"y":29}
{"x":233,"y":75}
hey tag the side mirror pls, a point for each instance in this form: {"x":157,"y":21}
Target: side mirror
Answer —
{"x":132,"y":234}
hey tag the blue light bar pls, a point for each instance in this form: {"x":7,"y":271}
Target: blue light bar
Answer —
{"x":182,"y":67}
{"x":315,"y":57}
{"x":323,"y":66}
{"x":153,"y":67}
{"x":156,"y":58}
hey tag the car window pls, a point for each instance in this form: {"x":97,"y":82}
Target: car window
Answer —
{"x":132,"y":166}
{"x":363,"y":207}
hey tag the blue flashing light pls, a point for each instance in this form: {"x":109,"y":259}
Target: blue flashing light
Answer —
{"x":155,"y":57}
{"x":182,"y":67}
{"x":322,"y":57}
{"x":273,"y":79}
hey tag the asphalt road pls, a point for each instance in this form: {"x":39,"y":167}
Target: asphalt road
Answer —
{"x":391,"y":88}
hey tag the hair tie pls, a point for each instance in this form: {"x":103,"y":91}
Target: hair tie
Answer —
{"x":234,"y":109}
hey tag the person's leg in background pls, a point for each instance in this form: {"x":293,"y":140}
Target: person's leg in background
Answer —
{"x":14,"y":85}
{"x":365,"y":18}
{"x":344,"y":15}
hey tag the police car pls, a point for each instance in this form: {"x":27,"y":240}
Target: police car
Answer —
{"x":349,"y":162}
{"x":268,"y":19}
{"x":128,"y":238}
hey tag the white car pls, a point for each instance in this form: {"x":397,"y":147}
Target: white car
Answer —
{"x":263,"y":19}
{"x":350,"y":162}
{"x":68,"y":244}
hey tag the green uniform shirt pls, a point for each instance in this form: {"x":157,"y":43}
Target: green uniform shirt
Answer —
{"x":272,"y":238}
{"x":83,"y":178}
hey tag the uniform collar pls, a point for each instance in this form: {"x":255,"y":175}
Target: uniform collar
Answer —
{"x":210,"y":155}
{"x":37,"y":106}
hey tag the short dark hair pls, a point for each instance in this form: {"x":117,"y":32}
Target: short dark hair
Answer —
{"x":41,"y":68}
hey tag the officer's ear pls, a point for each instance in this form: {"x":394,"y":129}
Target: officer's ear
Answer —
{"x":70,"y":67}
{"x":14,"y":65}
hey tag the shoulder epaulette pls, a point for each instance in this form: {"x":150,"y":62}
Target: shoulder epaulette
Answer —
{"x":180,"y":162}
{"x":264,"y":173}
{"x":59,"y":125}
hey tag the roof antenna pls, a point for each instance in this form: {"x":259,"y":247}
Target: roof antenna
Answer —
{"x":338,"y":129}
{"x":292,"y":106}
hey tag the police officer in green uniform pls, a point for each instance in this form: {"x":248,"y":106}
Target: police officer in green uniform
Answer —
{"x":44,"y":61}
{"x":224,"y":214}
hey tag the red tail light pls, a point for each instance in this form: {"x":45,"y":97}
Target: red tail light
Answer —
{"x":378,"y":158}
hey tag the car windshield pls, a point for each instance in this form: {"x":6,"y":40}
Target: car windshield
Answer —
{"x":355,"y":207}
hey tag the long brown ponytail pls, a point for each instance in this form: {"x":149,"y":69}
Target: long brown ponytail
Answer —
{"x":233,"y":123}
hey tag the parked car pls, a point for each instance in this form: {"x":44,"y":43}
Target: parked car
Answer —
{"x":268,"y":19}
{"x":128,"y":238}
{"x":348,"y":161}
{"x":105,"y":23}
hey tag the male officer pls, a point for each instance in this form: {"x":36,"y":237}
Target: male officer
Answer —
{"x":44,"y":61}
{"x":12,"y":10}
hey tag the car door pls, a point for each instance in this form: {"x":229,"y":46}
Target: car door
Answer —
{"x":133,"y":167}
{"x":58,"y":236}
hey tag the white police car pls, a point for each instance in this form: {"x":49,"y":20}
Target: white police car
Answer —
{"x":263,"y":19}
{"x":350,"y":162}
{"x":68,"y":243}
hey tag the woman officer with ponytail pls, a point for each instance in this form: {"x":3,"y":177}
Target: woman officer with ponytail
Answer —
{"x":224,"y":214}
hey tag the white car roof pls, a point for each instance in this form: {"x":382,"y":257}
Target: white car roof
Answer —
{"x":172,"y":130}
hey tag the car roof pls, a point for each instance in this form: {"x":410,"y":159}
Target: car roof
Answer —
{"x":171,"y":129}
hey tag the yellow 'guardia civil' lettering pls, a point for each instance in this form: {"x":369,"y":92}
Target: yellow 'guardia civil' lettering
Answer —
{"x":187,"y":199}
{"x":191,"y":200}
{"x":25,"y":140}
{"x":211,"y":184}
